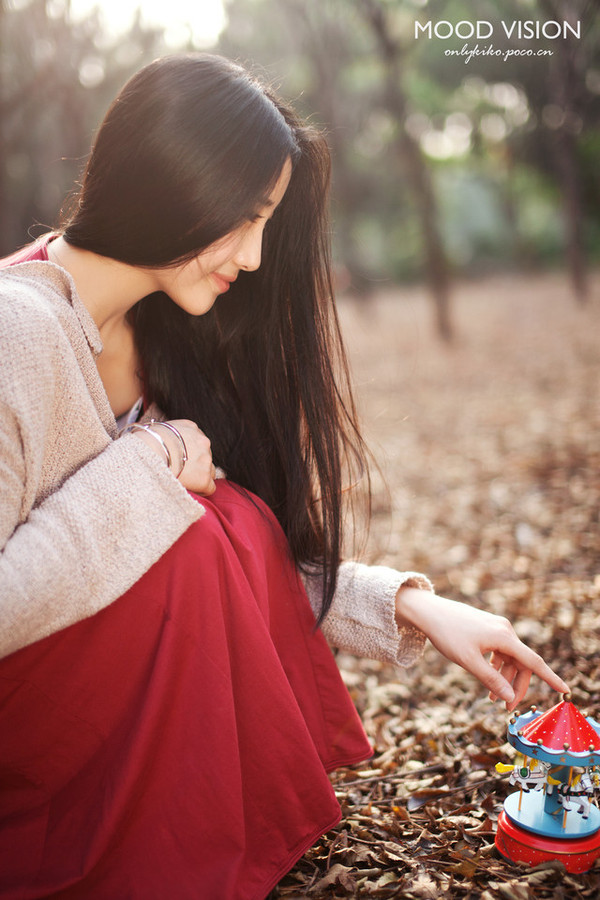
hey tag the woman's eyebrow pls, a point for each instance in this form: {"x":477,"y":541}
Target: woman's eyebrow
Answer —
{"x":266,"y":204}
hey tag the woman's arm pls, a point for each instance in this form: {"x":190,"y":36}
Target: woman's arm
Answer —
{"x":465,"y":635}
{"x":387,"y":615}
{"x":88,"y":542}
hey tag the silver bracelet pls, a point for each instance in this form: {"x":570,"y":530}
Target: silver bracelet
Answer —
{"x":137,"y":427}
{"x":184,"y":453}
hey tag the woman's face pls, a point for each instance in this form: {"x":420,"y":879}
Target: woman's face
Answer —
{"x":195,"y":285}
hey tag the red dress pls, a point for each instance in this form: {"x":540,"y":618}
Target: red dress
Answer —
{"x":175,"y":745}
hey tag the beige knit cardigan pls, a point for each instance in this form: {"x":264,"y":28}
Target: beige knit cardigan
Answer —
{"x":84,"y":512}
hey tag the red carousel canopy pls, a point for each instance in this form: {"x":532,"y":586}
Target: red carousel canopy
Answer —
{"x":563,"y":727}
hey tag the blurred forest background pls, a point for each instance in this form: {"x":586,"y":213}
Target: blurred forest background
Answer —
{"x":466,"y":207}
{"x":443,"y":167}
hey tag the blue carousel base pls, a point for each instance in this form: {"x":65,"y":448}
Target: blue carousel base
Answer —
{"x":533,"y":817}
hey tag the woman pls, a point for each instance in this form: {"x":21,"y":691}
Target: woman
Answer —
{"x":168,"y":709}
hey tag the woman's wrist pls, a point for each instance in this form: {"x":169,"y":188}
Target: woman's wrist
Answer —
{"x":412,"y":605}
{"x":164,"y":445}
{"x":159,"y":427}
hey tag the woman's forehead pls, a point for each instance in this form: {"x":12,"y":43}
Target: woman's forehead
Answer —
{"x":273,"y":200}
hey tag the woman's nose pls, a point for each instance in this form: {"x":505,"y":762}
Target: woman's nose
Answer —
{"x":249,"y":252}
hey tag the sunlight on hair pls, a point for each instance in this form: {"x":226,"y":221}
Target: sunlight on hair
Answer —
{"x":202,"y":22}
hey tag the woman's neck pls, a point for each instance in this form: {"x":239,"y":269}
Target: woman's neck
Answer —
{"x":107,"y":288}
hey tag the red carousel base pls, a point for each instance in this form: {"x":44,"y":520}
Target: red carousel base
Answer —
{"x":522,"y":846}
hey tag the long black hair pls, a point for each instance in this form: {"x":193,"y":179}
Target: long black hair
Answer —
{"x":187,"y":152}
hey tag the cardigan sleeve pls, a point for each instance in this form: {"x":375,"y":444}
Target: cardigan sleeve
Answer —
{"x":80,"y":549}
{"x":362,"y":617}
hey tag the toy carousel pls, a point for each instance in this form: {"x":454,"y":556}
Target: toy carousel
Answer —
{"x":552,"y":816}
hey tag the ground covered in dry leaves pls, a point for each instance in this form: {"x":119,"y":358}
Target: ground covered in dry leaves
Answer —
{"x":491,"y":452}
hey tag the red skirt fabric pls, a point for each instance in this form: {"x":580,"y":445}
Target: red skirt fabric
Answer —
{"x":176,"y":744}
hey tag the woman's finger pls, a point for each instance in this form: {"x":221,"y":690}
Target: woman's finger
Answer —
{"x":490,"y":677}
{"x":510,"y":671}
{"x":520,"y":685}
{"x":527,"y":659}
{"x":506,"y":667}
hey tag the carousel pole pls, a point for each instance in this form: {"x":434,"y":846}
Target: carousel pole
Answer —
{"x":564,"y":821}
{"x":521,"y":786}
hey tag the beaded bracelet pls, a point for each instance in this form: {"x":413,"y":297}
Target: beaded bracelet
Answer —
{"x":184,"y":453}
{"x":136,"y":427}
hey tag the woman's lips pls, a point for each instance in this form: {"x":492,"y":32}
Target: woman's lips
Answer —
{"x":222,"y":282}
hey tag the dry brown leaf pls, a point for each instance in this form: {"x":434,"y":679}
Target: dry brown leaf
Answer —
{"x":423,"y":886}
{"x":337,"y":874}
{"x":514,"y":891}
{"x":386,"y":879}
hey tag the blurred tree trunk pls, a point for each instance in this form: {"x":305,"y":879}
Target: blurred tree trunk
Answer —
{"x":565,"y":149}
{"x":437,"y":273}
{"x":564,"y":85}
{"x":328,"y":54}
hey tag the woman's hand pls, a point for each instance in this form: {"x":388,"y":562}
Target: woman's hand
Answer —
{"x":466,"y":635}
{"x":198,"y":472}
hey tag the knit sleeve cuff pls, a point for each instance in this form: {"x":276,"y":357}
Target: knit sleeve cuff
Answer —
{"x":362,"y":618}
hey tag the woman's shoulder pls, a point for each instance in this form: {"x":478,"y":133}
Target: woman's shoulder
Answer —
{"x":34,"y":297}
{"x":35,"y":339}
